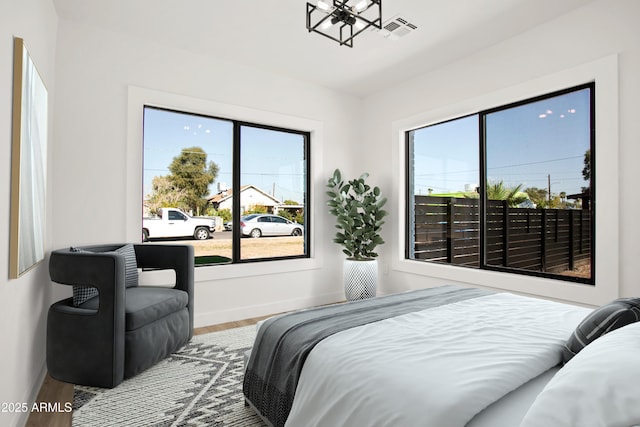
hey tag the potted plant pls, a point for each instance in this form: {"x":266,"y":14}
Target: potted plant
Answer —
{"x":358,"y":209}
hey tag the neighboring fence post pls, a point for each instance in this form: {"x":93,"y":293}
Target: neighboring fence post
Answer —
{"x":450,"y":205}
{"x":582,"y":232}
{"x":505,"y":233}
{"x":543,"y":241}
{"x":571,"y":241}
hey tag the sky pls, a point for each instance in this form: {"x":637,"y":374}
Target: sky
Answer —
{"x":530,"y":145}
{"x":271,"y":160}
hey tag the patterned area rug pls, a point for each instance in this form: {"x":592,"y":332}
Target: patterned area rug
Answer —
{"x":201,"y":385}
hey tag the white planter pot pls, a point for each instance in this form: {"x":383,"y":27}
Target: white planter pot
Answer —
{"x":360,"y":279}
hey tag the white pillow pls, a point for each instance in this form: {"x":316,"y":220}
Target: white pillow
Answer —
{"x":600,"y":386}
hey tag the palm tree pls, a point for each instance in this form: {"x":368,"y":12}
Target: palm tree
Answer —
{"x":498,"y":191}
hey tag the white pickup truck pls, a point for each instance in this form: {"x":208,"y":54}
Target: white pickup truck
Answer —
{"x":172,"y":222}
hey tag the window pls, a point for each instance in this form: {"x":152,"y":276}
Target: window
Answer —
{"x":232,"y":178}
{"x":176,"y":216}
{"x":507,"y":189}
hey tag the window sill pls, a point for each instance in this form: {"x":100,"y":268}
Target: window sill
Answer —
{"x":235,"y":271}
{"x":579,"y":293}
{"x":232,"y":271}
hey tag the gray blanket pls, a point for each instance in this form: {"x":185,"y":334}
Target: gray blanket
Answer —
{"x":283,"y":342}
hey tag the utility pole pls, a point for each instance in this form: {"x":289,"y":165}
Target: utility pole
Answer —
{"x":549,"y":186}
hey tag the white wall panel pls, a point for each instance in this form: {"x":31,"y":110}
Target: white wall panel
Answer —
{"x":24,"y":301}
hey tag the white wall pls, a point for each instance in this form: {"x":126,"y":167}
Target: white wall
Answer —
{"x":597,"y":41}
{"x":104,"y":79}
{"x":23,"y":302}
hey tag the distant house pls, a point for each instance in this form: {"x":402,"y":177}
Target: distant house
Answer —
{"x":250,"y":197}
{"x":293,"y":209}
{"x":584,"y":198}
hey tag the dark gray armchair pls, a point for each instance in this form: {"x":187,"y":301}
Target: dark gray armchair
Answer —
{"x":126,"y":328}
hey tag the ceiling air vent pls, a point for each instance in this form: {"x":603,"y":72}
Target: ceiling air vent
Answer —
{"x":396,"y":28}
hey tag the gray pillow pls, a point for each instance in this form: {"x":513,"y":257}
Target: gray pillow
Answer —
{"x":131,"y":265}
{"x":83,"y":293}
{"x":604,"y":319}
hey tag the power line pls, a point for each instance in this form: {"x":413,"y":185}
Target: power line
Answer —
{"x":535,"y":163}
{"x":501,"y":167}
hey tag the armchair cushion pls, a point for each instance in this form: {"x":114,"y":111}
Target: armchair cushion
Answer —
{"x":146,"y":304}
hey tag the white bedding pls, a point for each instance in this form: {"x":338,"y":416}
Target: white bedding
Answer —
{"x":438,"y":367}
{"x":511,"y":409}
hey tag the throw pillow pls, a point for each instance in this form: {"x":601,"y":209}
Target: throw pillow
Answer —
{"x":82,"y":293}
{"x":604,"y":319}
{"x":598,"y":387}
{"x":131,"y":265}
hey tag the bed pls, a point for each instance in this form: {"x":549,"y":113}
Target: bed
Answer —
{"x":446,"y":356}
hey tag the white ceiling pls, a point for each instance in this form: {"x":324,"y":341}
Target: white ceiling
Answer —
{"x":271,"y":34}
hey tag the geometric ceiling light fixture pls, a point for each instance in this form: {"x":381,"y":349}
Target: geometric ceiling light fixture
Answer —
{"x":342,"y":20}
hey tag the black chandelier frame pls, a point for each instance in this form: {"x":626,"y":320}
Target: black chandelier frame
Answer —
{"x":346,"y":17}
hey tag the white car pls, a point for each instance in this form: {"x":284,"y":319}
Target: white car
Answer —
{"x":257,"y":225}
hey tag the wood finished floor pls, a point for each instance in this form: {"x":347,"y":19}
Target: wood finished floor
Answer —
{"x":53,"y":391}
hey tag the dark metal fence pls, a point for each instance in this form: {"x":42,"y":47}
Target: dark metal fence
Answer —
{"x":548,"y":240}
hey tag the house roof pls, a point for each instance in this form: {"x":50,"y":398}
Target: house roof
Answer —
{"x":225,"y":195}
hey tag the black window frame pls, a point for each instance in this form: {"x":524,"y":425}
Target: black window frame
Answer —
{"x":482,"y":114}
{"x":236,"y":179}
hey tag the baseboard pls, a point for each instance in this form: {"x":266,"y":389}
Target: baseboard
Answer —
{"x":20,"y":418}
{"x":248,"y":312}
